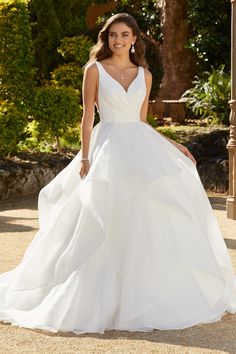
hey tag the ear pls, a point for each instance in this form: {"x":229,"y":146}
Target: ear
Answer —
{"x":134,"y":39}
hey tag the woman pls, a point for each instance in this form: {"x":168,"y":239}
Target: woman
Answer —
{"x":128,"y":239}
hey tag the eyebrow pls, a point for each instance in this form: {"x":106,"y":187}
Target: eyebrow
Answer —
{"x":121,"y":32}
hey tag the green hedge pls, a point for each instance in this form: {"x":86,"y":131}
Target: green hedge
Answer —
{"x":16,"y":59}
{"x":56,"y":109}
{"x":12,"y":125}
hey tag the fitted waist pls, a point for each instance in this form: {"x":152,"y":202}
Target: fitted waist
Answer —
{"x":120,"y":119}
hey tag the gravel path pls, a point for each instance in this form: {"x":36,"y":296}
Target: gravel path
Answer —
{"x":18,"y":225}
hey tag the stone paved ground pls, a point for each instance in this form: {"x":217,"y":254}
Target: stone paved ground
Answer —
{"x":18,"y":224}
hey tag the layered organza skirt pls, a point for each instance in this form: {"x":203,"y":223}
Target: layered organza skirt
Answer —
{"x":133,"y":246}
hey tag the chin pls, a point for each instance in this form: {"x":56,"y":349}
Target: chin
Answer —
{"x":119,"y":51}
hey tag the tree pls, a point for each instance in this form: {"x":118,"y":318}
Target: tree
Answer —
{"x":210,"y":35}
{"x":16,"y":73}
{"x":178,"y":61}
{"x":75,"y":51}
{"x":16,"y":59}
{"x":52,"y":20}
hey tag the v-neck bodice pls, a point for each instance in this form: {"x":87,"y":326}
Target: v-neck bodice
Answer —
{"x":130,"y":85}
{"x":117,"y":104}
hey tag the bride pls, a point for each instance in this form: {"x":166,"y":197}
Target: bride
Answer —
{"x":128,"y":239}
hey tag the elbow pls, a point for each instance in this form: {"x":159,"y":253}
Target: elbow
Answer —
{"x":87,"y":122}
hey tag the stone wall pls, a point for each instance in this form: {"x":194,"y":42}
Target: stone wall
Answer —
{"x":212,"y":159}
{"x":26,"y":175}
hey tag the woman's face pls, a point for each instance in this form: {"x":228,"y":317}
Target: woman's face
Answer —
{"x":120,"y":38}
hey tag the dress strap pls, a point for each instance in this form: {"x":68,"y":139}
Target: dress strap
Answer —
{"x":98,"y":64}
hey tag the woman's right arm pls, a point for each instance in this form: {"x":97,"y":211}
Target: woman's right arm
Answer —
{"x":89,"y":89}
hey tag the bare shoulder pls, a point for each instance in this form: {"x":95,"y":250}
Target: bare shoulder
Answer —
{"x":91,"y":69}
{"x":148,"y":74}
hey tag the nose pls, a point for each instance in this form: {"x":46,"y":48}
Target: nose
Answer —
{"x":118,"y":39}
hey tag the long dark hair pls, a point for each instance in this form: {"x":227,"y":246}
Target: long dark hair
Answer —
{"x":101,"y":50}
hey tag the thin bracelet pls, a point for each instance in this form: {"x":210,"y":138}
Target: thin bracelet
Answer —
{"x":84,"y":159}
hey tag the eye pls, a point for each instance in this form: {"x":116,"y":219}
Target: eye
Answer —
{"x":125,"y":35}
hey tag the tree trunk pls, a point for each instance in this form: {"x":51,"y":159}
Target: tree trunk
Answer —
{"x":178,"y":61}
{"x":96,"y":10}
{"x":58,"y":144}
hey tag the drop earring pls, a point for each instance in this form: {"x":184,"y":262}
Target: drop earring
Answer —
{"x":132,"y":48}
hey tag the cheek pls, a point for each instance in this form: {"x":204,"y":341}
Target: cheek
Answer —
{"x":110,"y":41}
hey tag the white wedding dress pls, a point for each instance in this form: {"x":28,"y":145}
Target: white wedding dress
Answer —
{"x":133,"y":246}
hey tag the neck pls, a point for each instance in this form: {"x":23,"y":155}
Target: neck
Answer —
{"x":121,"y":61}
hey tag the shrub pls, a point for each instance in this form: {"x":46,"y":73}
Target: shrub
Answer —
{"x":31,"y":140}
{"x":152,"y":120}
{"x":169,"y":132}
{"x":16,"y":58}
{"x":12,"y":124}
{"x":51,"y":21}
{"x":210,"y":95}
{"x":75,"y":51}
{"x":56,"y":109}
{"x":68,"y":75}
{"x":16,"y":73}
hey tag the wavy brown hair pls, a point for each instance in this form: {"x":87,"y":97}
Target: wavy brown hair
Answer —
{"x":101,"y":50}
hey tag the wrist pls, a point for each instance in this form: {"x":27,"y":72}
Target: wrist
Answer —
{"x":84,"y":160}
{"x":177,"y":144}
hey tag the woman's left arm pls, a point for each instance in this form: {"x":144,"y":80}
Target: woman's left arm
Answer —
{"x":143,"y":117}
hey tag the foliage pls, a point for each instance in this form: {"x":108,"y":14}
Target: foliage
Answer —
{"x":75,"y":51}
{"x":210,"y":95}
{"x":56,"y":109}
{"x":152,"y":120}
{"x":68,"y":75}
{"x":16,"y":73}
{"x":145,"y":12}
{"x":76,"y":48}
{"x":53,"y":20}
{"x":71,"y":138}
{"x":16,"y":59}
{"x":155,"y":65}
{"x":169,"y":132}
{"x":12,"y":124}
{"x":31,"y":139}
{"x":210,"y":38}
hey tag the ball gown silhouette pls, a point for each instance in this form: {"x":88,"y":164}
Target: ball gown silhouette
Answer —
{"x":132,"y":246}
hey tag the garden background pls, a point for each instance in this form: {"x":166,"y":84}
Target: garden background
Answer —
{"x":44,"y":45}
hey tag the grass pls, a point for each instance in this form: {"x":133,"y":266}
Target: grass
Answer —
{"x":185,"y":133}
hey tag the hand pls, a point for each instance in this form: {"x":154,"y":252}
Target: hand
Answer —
{"x":84,"y":168}
{"x":186,"y":152}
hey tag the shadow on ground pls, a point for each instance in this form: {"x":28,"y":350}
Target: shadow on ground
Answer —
{"x":7,"y":225}
{"x":20,"y":203}
{"x":218,"y":336}
{"x":218,"y":203}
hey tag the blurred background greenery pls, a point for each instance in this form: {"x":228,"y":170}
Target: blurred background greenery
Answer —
{"x":44,"y":45}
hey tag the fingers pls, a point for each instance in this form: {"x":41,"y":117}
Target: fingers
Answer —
{"x":84,"y":171}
